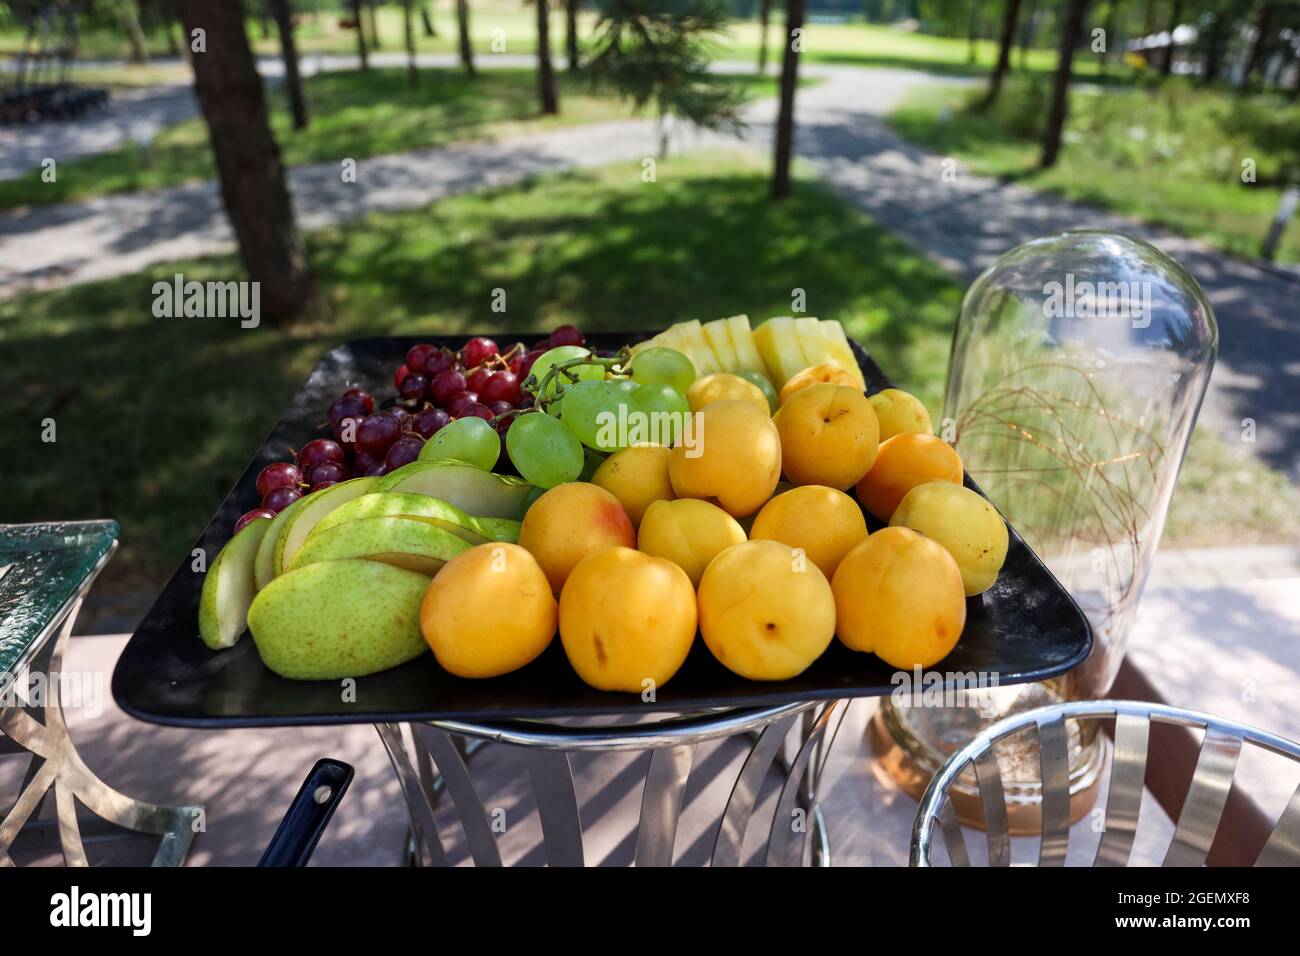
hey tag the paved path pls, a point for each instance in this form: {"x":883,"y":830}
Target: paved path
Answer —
{"x":964,"y":225}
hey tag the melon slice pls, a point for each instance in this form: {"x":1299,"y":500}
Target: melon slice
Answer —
{"x":720,"y":341}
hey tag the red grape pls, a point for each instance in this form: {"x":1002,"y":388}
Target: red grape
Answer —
{"x":376,"y":470}
{"x":277,"y":499}
{"x":526,"y":363}
{"x":438,"y":362}
{"x":278,"y":474}
{"x":403,"y":452}
{"x":319,"y":451}
{"x":345,"y":432}
{"x":500,"y":386}
{"x":378,"y":432}
{"x":566,"y":335}
{"x":367,"y":403}
{"x":477,"y":351}
{"x":399,"y":375}
{"x":460,"y":402}
{"x":499,"y":407}
{"x":477,"y":379}
{"x":479,"y":409}
{"x":416,"y":356}
{"x":331,"y":471}
{"x":349,"y":406}
{"x":413,"y":387}
{"x":248,"y":517}
{"x":446,"y":386}
{"x":427,"y":422}
{"x":363,"y":461}
{"x":323,"y":484}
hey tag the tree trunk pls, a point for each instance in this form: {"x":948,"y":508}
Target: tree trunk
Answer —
{"x":1011,"y":14}
{"x":1214,"y":49}
{"x":1027,"y":31}
{"x":571,"y":33}
{"x":362,"y":51}
{"x":545,"y":73}
{"x":972,"y":32}
{"x":764,"y":17}
{"x":139,"y":51}
{"x":1071,"y":27}
{"x":785,"y":117}
{"x":466,"y":50}
{"x":253,"y":187}
{"x":1175,"y":14}
{"x":1263,"y":22}
{"x":374,"y":24}
{"x":289,"y":53}
{"x":1111,"y":29}
{"x":426,"y":17}
{"x":408,"y":26}
{"x":1149,"y":21}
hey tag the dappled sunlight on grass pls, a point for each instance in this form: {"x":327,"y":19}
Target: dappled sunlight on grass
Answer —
{"x":157,"y":427}
{"x":353,"y":114}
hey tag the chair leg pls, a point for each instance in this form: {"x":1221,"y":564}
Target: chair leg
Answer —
{"x":43,"y":732}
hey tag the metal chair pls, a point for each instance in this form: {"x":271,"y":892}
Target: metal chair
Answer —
{"x":1198,"y":823}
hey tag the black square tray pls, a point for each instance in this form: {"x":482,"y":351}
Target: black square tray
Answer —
{"x":1025,"y":628}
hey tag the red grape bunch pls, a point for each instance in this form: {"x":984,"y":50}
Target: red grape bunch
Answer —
{"x":434,"y":387}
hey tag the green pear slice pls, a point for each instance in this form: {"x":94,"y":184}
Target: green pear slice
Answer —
{"x":264,"y":564}
{"x":230,"y":586}
{"x":470,"y":489}
{"x":396,"y":504}
{"x":296,"y":529}
{"x":339,"y":619}
{"x":402,"y":542}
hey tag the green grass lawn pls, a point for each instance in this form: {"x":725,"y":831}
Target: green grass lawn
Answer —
{"x":353,"y":114}
{"x":158,"y":432}
{"x":511,"y":26}
{"x":1171,"y":157}
{"x":157,"y":417}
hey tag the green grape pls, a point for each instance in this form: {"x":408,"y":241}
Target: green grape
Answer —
{"x":664,"y":412}
{"x":625,"y":385}
{"x":764,"y":385}
{"x":544,"y":450}
{"x":469,"y":439}
{"x":555,"y":356}
{"x":591,"y":411}
{"x":657,"y":365}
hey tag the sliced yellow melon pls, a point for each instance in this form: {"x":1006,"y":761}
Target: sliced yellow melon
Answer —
{"x":779,"y":346}
{"x":716,"y":334}
{"x":691,"y":334}
{"x":811,"y":341}
{"x":652,"y":342}
{"x":742,"y":341}
{"x":836,"y":345}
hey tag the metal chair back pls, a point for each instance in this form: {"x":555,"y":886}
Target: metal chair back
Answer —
{"x":1197,"y":825}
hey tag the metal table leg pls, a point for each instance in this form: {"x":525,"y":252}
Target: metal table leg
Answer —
{"x":438,"y":761}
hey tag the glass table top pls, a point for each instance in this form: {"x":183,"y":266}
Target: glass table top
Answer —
{"x":42,"y":568}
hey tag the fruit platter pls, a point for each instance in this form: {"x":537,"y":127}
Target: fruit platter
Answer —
{"x":723,"y":514}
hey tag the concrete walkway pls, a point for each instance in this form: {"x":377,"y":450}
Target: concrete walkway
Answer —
{"x":963,"y":225}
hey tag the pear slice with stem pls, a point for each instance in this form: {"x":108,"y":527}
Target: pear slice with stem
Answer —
{"x":230,"y":586}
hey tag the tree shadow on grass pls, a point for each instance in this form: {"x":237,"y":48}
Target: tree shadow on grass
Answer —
{"x":157,"y":417}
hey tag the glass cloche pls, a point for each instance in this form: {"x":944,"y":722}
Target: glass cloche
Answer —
{"x":1078,"y":366}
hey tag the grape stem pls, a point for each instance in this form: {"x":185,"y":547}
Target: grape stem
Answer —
{"x":617,"y":365}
